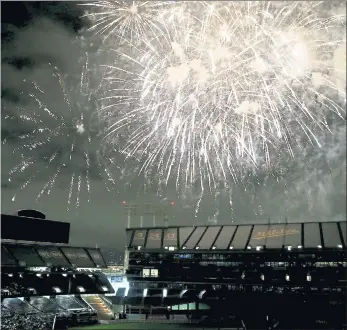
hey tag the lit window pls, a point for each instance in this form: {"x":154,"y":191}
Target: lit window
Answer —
{"x":164,"y":293}
{"x":145,"y":291}
{"x":154,"y":273}
{"x":146,"y":273}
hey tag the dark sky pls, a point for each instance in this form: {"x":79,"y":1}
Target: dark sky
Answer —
{"x":38,"y":36}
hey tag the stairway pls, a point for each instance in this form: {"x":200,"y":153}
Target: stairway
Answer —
{"x":104,"y":312}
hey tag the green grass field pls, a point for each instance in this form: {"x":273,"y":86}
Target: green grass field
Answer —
{"x":139,"y":326}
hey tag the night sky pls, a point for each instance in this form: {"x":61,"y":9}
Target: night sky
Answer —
{"x":38,"y":36}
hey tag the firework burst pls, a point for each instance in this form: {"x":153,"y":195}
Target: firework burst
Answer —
{"x":223,"y":85}
{"x":125,"y":19}
{"x":59,"y":135}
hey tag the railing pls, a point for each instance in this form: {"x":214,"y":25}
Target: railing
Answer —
{"x":106,"y":301}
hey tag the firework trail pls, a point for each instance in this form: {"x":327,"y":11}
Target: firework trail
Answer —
{"x":219,"y":87}
{"x":60,"y":131}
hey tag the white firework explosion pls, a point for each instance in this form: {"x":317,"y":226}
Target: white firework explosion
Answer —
{"x":125,"y":19}
{"x":221,"y":86}
{"x":59,"y":128}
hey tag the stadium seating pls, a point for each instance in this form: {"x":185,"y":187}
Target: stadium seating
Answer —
{"x":19,"y":306}
{"x":68,"y":303}
{"x":5,"y":312}
{"x":46,"y":305}
{"x":23,"y":283}
{"x":28,"y":322}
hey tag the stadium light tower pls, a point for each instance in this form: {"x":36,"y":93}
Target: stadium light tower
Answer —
{"x":124,"y":203}
{"x":166,"y":221}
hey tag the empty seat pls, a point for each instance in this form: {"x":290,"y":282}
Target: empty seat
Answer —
{"x":18,"y":306}
{"x":45,"y":305}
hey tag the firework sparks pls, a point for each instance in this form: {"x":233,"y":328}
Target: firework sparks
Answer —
{"x":62,"y":132}
{"x":126,"y":19}
{"x":223,"y":85}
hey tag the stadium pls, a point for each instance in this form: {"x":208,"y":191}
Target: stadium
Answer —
{"x":231,"y":276}
{"x":190,"y":157}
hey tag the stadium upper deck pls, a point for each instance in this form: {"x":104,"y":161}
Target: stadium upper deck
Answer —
{"x":49,"y":255}
{"x":310,"y":235}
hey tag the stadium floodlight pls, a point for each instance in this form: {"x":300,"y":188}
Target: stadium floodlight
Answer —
{"x":299,"y":246}
{"x":139,"y":247}
{"x":183,"y":292}
{"x":56,"y":289}
{"x":81,"y":289}
{"x":340,"y":246}
{"x":319,"y":246}
{"x":64,"y":275}
{"x":197,"y":248}
{"x":287,"y":277}
{"x":184,"y":247}
{"x":289,"y":247}
{"x":39,"y":275}
{"x":201,"y":294}
{"x":164,"y":293}
{"x":145,"y":291}
{"x":10,"y":275}
{"x":165,"y":247}
{"x":249,"y":247}
{"x":213,"y":247}
{"x":90,"y":275}
{"x":231,"y":247}
{"x":258,"y":248}
{"x":171,"y":248}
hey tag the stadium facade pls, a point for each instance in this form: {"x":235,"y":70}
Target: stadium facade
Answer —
{"x":224,"y":272}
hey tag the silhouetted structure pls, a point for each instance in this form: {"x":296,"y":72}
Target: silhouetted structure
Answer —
{"x":25,"y":228}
